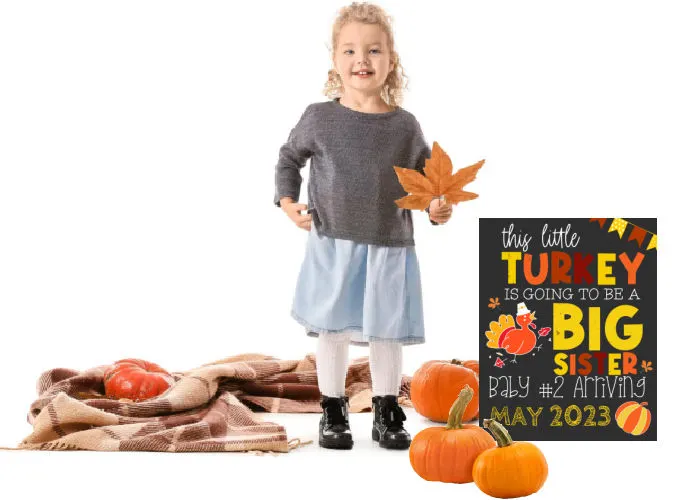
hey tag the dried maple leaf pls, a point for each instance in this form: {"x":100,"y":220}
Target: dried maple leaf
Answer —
{"x":437,"y":182}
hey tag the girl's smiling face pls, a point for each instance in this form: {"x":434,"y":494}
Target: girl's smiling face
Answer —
{"x":362,"y":58}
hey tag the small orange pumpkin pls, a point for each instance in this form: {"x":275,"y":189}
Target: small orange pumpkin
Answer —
{"x":514,"y":469}
{"x":437,"y":384}
{"x":447,"y":454}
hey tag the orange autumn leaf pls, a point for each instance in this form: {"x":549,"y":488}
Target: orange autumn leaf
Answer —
{"x":438,"y":181}
{"x":414,"y":182}
{"x":414,"y":201}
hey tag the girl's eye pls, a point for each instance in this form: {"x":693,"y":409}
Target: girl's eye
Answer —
{"x":350,"y":51}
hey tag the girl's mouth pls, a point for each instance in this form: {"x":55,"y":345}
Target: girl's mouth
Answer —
{"x":363,"y":74}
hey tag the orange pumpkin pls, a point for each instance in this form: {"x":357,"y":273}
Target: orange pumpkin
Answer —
{"x":136,"y":379}
{"x":472,"y":364}
{"x":437,"y":384}
{"x":514,"y":469}
{"x":447,"y":454}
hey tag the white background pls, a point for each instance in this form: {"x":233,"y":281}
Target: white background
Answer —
{"x":138,"y":141}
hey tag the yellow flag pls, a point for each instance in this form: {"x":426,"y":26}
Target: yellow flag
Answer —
{"x":618,"y":225}
{"x":652,"y":243}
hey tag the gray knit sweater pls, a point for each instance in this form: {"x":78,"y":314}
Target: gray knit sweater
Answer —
{"x":352,"y":184}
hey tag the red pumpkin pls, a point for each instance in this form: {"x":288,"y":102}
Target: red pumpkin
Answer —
{"x":437,"y":384}
{"x":136,"y":379}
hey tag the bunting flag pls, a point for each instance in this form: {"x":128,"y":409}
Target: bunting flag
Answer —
{"x":637,"y":234}
{"x":600,"y":221}
{"x":652,"y":243}
{"x":618,"y":225}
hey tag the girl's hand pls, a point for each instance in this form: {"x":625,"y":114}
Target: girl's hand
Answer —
{"x":293,"y":211}
{"x":440,"y":211}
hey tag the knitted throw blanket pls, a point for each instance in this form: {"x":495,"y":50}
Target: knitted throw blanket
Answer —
{"x":208,"y":408}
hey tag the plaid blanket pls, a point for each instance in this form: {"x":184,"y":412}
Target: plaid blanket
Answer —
{"x":208,"y":408}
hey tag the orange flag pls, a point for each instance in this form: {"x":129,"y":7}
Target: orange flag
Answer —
{"x":599,"y":221}
{"x":638,"y":234}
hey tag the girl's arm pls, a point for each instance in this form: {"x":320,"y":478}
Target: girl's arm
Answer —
{"x":292,"y":158}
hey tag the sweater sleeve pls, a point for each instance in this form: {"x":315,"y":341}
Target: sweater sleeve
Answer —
{"x":292,"y":158}
{"x":424,"y":154}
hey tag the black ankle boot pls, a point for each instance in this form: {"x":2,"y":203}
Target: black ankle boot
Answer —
{"x":334,"y":428}
{"x":388,"y":423}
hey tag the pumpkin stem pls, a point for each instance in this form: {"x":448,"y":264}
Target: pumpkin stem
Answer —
{"x":454,"y":421}
{"x":499,"y":432}
{"x":456,"y":362}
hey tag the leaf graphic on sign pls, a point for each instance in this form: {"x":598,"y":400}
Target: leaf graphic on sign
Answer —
{"x":437,"y":182}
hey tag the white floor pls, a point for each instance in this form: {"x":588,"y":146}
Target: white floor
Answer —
{"x":311,"y":471}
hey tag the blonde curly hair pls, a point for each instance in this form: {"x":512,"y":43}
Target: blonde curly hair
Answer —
{"x":396,"y":80}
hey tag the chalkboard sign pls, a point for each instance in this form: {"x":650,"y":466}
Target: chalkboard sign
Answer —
{"x":567,"y":341}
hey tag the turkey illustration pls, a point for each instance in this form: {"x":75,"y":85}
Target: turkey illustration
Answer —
{"x":516,"y":340}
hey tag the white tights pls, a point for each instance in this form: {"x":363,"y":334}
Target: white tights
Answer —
{"x":385,"y":360}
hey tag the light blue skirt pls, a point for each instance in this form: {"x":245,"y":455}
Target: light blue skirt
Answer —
{"x":372,"y":291}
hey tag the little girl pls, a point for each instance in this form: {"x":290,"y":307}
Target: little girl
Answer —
{"x":360,"y":281}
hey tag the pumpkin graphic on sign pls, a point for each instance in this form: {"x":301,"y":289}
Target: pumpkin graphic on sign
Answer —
{"x":633,"y":418}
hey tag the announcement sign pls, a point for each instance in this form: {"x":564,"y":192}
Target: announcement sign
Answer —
{"x":567,"y":342}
